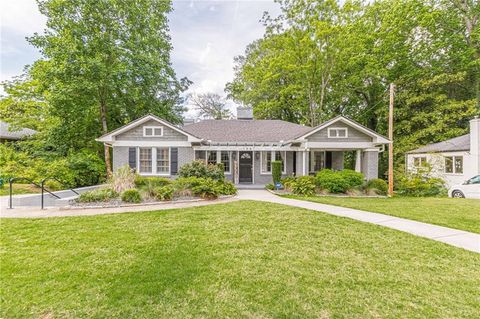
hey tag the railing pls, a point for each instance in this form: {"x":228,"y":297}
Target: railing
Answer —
{"x":42,"y":186}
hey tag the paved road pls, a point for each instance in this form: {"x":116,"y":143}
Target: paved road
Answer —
{"x":454,"y":237}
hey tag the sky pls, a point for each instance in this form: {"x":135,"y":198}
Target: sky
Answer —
{"x":206,"y":36}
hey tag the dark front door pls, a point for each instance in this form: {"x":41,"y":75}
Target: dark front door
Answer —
{"x":245,"y":167}
{"x":328,"y":160}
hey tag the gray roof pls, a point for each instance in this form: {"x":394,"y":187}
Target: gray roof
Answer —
{"x":461,"y":143}
{"x":7,"y":134}
{"x":246,"y":130}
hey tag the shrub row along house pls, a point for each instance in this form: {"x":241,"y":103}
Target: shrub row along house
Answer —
{"x":246,"y":147}
{"x":454,"y":160}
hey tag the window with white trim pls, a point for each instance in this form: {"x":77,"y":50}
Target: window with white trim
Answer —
{"x":215,"y":157}
{"x":337,"y":132}
{"x":145,"y":159}
{"x":152,"y":131}
{"x":225,"y":159}
{"x":163,"y":160}
{"x":420,"y":161}
{"x":454,"y":164}
{"x":266,"y":158}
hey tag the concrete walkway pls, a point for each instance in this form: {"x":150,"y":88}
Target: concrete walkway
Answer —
{"x":454,"y":237}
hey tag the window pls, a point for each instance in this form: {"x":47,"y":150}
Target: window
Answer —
{"x":152,"y":131}
{"x":145,"y":157}
{"x":317,"y":161}
{"x":225,"y":160}
{"x":338,"y":132}
{"x":420,"y":161}
{"x":200,"y":155}
{"x":212,"y":157}
{"x":163,"y":160}
{"x":454,"y":164}
{"x":266,"y":159}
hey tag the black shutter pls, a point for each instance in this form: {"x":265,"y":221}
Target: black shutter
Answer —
{"x":132,"y":157}
{"x":173,"y":161}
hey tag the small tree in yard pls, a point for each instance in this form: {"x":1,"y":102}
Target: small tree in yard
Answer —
{"x":276,"y":171}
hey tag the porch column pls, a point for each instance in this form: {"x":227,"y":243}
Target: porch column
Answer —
{"x":302,"y":169}
{"x":358,"y":161}
{"x":370,"y":163}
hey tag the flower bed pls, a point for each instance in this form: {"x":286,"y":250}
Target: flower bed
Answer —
{"x":197,"y":181}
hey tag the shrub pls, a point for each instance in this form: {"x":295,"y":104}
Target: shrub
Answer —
{"x":207,"y":188}
{"x":419,"y":185}
{"x":287,"y":183}
{"x":131,"y":196}
{"x":164,"y":192}
{"x":276,"y":171}
{"x":270,"y":187}
{"x":200,"y":169}
{"x":123,"y":179}
{"x":97,"y":195}
{"x":227,"y":188}
{"x":304,"y":185}
{"x":378,"y":185}
{"x":151,"y":181}
{"x":352,"y":178}
{"x":329,"y":180}
{"x":87,"y":168}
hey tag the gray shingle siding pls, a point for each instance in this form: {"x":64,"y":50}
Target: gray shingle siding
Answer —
{"x":337,"y":161}
{"x":136,"y":134}
{"x":120,"y":156}
{"x":354,"y":135}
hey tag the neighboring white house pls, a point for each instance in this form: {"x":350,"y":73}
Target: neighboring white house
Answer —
{"x":454,"y":160}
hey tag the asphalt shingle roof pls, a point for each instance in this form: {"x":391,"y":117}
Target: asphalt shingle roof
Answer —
{"x":461,"y":143}
{"x":5,"y":132}
{"x":246,"y":130}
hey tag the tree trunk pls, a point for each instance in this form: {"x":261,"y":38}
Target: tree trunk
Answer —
{"x":103,"y":117}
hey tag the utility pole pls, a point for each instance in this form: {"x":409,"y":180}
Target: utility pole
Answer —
{"x":390,"y":137}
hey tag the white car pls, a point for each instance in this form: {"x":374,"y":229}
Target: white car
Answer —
{"x":469,"y":189}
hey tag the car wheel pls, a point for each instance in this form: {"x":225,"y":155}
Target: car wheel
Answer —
{"x":457,"y":194}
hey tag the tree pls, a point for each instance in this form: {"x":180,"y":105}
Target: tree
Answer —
{"x":105,"y":63}
{"x":210,"y":105}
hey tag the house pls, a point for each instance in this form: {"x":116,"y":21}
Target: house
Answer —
{"x":246,"y":147}
{"x":454,"y":160}
{"x":9,"y":135}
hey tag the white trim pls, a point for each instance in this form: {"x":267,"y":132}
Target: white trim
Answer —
{"x":273,"y":158}
{"x":110,"y":137}
{"x":253,"y":165}
{"x":246,"y":148}
{"x":454,"y":168}
{"x":153,"y":160}
{"x":152,"y":143}
{"x":377,"y":137}
{"x":219,"y":154}
{"x":153,"y":128}
{"x":340,"y":146}
{"x":330,"y":129}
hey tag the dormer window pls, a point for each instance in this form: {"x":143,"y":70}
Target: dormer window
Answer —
{"x":152,"y":131}
{"x":338,"y":132}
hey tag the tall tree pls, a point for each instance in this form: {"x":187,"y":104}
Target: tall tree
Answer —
{"x":106,"y":62}
{"x":210,"y":105}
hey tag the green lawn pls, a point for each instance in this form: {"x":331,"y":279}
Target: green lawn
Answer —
{"x":241,"y":259}
{"x":18,"y":189}
{"x":456,"y":213}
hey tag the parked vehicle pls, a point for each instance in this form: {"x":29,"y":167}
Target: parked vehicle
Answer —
{"x":469,"y":189}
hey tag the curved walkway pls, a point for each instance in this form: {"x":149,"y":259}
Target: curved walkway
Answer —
{"x":454,"y":237}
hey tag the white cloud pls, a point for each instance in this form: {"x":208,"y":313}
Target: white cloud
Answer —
{"x":206,"y":36}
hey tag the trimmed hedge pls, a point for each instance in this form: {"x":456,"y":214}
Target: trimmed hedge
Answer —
{"x":200,"y":169}
{"x":339,"y":181}
{"x":276,"y":171}
{"x":97,"y":195}
{"x":378,"y":185}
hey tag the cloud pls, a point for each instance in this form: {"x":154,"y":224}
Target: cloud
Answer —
{"x":206,"y":36}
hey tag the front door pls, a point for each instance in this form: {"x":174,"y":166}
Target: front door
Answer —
{"x":245,"y":167}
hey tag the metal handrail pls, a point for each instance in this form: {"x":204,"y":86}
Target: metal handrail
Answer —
{"x":42,"y":186}
{"x":57,"y":180}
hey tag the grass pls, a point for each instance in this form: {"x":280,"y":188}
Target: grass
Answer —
{"x":241,"y":259}
{"x":456,"y":213}
{"x":19,"y":189}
